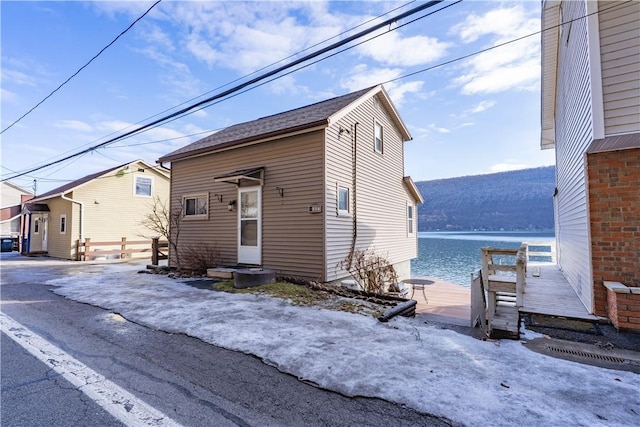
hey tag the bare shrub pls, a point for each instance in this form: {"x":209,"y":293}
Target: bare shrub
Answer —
{"x":198,"y":257}
{"x":164,"y":223}
{"x":374,"y":272}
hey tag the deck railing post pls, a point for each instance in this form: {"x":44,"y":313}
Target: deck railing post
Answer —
{"x":123,"y":247}
{"x":154,"y":251}
{"x":87,"y":246}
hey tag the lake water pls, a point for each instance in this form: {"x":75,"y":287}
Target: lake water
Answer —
{"x":453,"y":256}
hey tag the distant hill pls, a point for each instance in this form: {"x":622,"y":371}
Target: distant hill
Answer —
{"x":516,"y":200}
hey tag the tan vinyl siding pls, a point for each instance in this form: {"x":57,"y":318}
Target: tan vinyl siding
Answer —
{"x":574,"y":131}
{"x":620,"y":59}
{"x":380,"y":192}
{"x":291,"y":236}
{"x":60,"y":245}
{"x":112,"y":211}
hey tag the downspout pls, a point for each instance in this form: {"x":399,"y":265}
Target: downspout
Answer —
{"x":81,"y":205}
{"x":354,"y":180}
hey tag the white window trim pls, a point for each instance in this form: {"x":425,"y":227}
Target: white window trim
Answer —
{"x":135,"y":178}
{"x":343,"y":212}
{"x":205,"y":196}
{"x":36,"y":225}
{"x":375,"y":147}
{"x":411,"y":230}
{"x":66,"y":224}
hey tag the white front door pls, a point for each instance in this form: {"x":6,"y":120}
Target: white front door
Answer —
{"x":250,"y":225}
{"x":45,"y":229}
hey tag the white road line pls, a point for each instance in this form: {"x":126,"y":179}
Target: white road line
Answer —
{"x":115,"y":400}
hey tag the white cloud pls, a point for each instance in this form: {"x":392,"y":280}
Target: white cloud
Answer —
{"x":74,"y":125}
{"x":481,"y":106}
{"x":523,"y":76}
{"x":513,"y":66}
{"x":433,"y":126}
{"x":17,"y":77}
{"x":393,"y":50}
{"x":505,"y":22}
{"x":505,"y":167}
{"x":361,"y":77}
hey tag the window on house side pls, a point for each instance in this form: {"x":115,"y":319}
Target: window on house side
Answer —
{"x":143,"y":186}
{"x":343,"y":200}
{"x":195,"y":206}
{"x":410,"y":219}
{"x":377,"y":139}
{"x":63,"y":224}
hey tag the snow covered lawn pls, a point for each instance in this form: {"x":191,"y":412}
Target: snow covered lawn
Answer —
{"x":428,"y":368}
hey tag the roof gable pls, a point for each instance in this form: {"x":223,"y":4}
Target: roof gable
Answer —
{"x":307,"y":117}
{"x":88,"y":178}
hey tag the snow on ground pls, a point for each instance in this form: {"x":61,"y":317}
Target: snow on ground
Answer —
{"x":425,"y":367}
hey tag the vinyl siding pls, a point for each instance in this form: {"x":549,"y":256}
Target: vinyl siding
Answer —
{"x":60,"y":245}
{"x":110,"y":209}
{"x":291,"y":236}
{"x":574,"y":131}
{"x":381,"y":196}
{"x":620,"y":59}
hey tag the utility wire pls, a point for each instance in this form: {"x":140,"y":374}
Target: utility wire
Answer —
{"x":81,"y":68}
{"x":238,"y":79}
{"x":240,"y":86}
{"x":179,"y":114}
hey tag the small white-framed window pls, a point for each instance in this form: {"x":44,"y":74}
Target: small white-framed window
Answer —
{"x":411,"y":213}
{"x":196,"y":206}
{"x":36,"y":226}
{"x":63,"y":224}
{"x":142,"y":185}
{"x":378,"y":139}
{"x":343,"y":200}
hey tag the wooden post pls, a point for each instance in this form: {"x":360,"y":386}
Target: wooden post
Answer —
{"x":87,"y":245}
{"x":154,"y":251}
{"x":123,"y":247}
{"x":78,"y":258}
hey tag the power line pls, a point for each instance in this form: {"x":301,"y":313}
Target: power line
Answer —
{"x":242,"y":88}
{"x":241,"y":85}
{"x":81,"y":68}
{"x":235,"y":80}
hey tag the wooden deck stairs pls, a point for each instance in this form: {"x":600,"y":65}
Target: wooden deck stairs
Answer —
{"x":498,"y":291}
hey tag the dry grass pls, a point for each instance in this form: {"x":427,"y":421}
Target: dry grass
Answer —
{"x":304,"y":296}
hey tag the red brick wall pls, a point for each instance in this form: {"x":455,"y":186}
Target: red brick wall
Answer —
{"x":614,"y":208}
{"x":624,"y":309}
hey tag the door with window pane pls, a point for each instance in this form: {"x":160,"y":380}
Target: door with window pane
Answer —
{"x":250,"y":225}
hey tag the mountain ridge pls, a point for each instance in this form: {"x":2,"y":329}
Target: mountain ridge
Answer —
{"x":509,"y":201}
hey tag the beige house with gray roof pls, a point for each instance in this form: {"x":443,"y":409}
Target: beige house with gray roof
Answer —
{"x":103,"y":207}
{"x":297,"y":191}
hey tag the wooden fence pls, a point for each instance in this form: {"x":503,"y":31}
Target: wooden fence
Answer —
{"x":89,"y":249}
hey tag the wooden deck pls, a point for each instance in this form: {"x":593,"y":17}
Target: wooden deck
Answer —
{"x":548,"y":294}
{"x":551,"y":294}
{"x":447,"y":302}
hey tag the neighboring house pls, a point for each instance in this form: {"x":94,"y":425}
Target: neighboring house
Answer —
{"x":11,"y":199}
{"x":103,"y":207}
{"x":591,"y":116}
{"x":297,"y":191}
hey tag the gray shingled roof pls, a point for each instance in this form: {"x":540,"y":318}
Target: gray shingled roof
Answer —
{"x":289,"y":121}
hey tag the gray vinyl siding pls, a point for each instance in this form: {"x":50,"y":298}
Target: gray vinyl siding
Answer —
{"x":291,"y":236}
{"x":574,"y":132}
{"x":620,"y":59}
{"x":381,"y":196}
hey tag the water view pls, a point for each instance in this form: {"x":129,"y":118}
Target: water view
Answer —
{"x":453,"y":256}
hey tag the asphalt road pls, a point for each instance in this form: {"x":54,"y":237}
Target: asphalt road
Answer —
{"x":192,"y":382}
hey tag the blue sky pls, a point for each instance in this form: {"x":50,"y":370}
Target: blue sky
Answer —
{"x":474,"y":116}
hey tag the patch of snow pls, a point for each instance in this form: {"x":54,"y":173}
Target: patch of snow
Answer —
{"x":425,"y":367}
